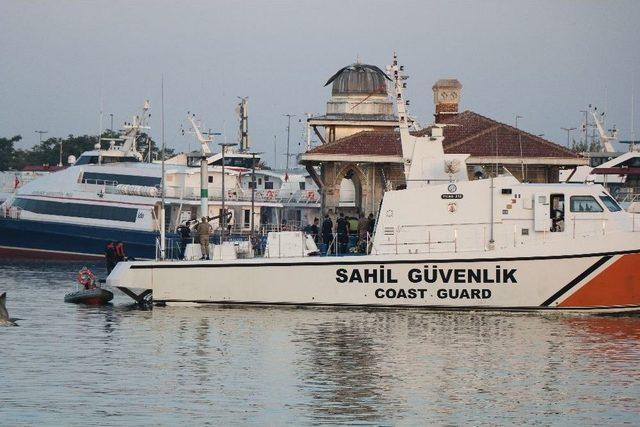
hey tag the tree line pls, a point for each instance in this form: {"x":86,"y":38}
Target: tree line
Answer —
{"x":47,"y":152}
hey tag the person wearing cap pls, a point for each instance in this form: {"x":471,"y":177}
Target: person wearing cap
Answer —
{"x":203,"y":230}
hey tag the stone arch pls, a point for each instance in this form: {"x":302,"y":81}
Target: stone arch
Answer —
{"x":356,"y":175}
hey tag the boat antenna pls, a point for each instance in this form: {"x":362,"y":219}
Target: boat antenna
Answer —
{"x":162,"y":217}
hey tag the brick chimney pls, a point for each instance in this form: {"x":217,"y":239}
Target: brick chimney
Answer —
{"x":446,"y":97}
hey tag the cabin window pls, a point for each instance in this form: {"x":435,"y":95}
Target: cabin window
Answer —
{"x":80,"y":210}
{"x":268,"y":185}
{"x":259,"y":181}
{"x":302,"y":185}
{"x":557,"y":212}
{"x":610,"y":203}
{"x":250,"y":184}
{"x":210,"y":180}
{"x":585,"y":204}
{"x":247,"y":218}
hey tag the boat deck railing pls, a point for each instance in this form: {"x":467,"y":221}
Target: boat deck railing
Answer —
{"x":257,"y":242}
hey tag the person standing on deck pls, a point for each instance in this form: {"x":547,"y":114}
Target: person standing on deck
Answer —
{"x":110,"y":256}
{"x":343,"y":233}
{"x":185,"y":236}
{"x":120,"y":255}
{"x":327,"y":231}
{"x":203,"y":230}
{"x":363,"y":227}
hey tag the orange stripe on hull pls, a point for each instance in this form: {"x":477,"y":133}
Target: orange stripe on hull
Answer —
{"x":618,"y":285}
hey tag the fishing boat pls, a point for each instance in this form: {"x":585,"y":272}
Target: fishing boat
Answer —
{"x":111,"y":194}
{"x":443,"y":242}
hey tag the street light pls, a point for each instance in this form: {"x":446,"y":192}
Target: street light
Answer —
{"x":224,"y":146}
{"x":568,"y":130}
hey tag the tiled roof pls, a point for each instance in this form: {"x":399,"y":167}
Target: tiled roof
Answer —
{"x":467,"y":133}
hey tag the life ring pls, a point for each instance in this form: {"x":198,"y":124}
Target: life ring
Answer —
{"x":311,"y":195}
{"x":270,"y":194}
{"x":86,"y":278}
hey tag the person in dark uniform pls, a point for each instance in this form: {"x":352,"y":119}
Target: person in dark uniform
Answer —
{"x":110,"y":256}
{"x":314,"y":230}
{"x":343,"y":233}
{"x":185,"y":237}
{"x":327,"y":231}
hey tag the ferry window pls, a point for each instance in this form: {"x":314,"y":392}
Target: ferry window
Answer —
{"x":585,"y":204}
{"x":301,"y":185}
{"x":250,"y":184}
{"x":111,"y":213}
{"x":247,"y":218}
{"x":268,"y":185}
{"x":610,"y":203}
{"x":210,"y":179}
{"x":107,"y":159}
{"x":112,"y":178}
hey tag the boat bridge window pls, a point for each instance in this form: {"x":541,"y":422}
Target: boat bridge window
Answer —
{"x":87,"y":160}
{"x":101,"y":178}
{"x":610,"y":203}
{"x":94,"y":211}
{"x":241,"y":162}
{"x":585,"y":204}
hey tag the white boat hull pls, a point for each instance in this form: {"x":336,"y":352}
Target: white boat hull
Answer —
{"x":590,"y":282}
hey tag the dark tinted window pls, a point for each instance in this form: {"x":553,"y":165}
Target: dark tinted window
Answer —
{"x":47,"y":207}
{"x":101,"y":178}
{"x":85,"y":160}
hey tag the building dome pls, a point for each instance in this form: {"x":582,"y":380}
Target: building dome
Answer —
{"x":357,"y":79}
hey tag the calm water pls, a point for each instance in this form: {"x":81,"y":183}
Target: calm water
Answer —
{"x":76,"y":365}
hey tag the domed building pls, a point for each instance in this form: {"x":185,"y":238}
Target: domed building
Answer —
{"x":361,"y":153}
{"x":359,"y":102}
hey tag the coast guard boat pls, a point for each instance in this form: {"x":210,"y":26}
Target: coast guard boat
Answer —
{"x":110,"y":194}
{"x":442,"y":243}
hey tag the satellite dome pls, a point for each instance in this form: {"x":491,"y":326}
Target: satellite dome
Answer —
{"x":357,"y":79}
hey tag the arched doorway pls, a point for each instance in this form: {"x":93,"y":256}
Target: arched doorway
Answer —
{"x":349,"y":184}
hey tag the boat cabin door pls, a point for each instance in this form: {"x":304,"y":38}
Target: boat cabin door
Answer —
{"x":541,"y":212}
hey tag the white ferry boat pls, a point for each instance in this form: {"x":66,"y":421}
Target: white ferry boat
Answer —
{"x":442,"y":243}
{"x":112,"y":195}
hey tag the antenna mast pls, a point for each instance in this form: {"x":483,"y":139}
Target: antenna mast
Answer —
{"x":244,"y":123}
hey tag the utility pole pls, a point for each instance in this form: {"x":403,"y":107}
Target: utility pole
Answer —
{"x":522,"y":174}
{"x":224,"y":146}
{"x":111,"y":115}
{"x":288,"y":135}
{"x":586,"y":128}
{"x":253,"y":191}
{"x":275,"y":152}
{"x":568,"y":130}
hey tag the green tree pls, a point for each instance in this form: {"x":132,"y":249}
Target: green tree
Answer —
{"x":8,"y":152}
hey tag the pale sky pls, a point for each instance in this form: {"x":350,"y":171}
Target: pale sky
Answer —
{"x":544,"y":60}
